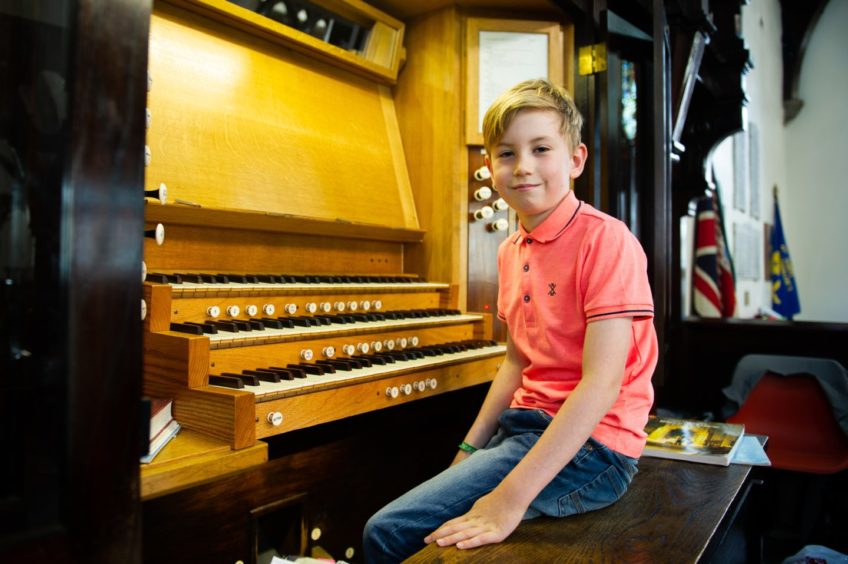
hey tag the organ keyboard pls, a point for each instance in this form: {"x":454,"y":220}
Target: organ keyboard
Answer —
{"x":253,"y":356}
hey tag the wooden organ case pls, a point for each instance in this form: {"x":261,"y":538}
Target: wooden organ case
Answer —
{"x":285,"y":288}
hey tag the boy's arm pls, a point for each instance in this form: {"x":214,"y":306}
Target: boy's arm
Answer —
{"x":498,"y":398}
{"x":495,"y":515}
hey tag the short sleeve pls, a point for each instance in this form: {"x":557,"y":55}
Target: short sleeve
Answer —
{"x":613,"y":274}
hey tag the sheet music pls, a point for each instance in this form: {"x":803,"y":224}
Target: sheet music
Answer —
{"x":507,"y":58}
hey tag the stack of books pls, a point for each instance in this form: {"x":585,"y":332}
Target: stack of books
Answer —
{"x":163,"y":427}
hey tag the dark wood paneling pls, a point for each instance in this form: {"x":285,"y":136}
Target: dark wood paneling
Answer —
{"x":344,"y":471}
{"x":83,"y":120}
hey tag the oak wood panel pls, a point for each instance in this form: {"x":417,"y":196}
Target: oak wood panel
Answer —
{"x":195,"y":249}
{"x":314,"y":408}
{"x":670,"y":514}
{"x":267,"y":128}
{"x":198,"y":216}
{"x":157,"y":298}
{"x":191,"y":459}
{"x":429,"y":111}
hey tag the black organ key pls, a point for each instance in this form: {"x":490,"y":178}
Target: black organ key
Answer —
{"x":205,"y":327}
{"x":299,"y":321}
{"x":227,"y":381}
{"x":193,"y":278}
{"x":256,"y":324}
{"x":187,"y":328}
{"x":365,"y":360}
{"x":269,"y":323}
{"x":158,"y":278}
{"x":268,"y":278}
{"x":266,"y":375}
{"x":248,"y":379}
{"x":309,"y":368}
{"x":286,"y":373}
{"x":227,"y":326}
{"x":295,"y":370}
{"x":335,"y":364}
{"x":286,"y":322}
{"x":242,"y":325}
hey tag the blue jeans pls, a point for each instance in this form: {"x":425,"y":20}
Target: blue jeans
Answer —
{"x":595,"y":478}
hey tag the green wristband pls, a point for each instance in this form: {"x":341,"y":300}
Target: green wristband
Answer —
{"x":467,"y":447}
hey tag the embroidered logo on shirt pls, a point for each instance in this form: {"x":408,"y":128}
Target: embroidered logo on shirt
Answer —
{"x":552,"y":290}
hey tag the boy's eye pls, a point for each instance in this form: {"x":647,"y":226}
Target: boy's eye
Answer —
{"x":504,"y":154}
{"x":542,"y":149}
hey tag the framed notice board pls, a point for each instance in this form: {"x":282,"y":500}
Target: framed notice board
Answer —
{"x":502,"y":53}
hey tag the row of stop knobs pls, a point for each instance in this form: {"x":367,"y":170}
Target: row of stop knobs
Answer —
{"x":276,"y":418}
{"x":310,"y":307}
{"x":393,"y":392}
{"x":329,"y":351}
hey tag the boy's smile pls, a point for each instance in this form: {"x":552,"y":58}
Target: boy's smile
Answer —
{"x":532,"y":165}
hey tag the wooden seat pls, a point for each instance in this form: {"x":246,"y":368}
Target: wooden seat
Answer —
{"x":673,"y":512}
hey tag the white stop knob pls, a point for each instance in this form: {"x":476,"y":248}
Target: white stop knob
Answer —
{"x":269,"y":309}
{"x":306,"y":354}
{"x":233,"y":310}
{"x":275,"y":418}
{"x":392,"y":392}
{"x":213,"y":311}
{"x":251,"y":310}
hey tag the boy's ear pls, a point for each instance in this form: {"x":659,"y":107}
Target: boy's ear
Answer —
{"x":578,"y":160}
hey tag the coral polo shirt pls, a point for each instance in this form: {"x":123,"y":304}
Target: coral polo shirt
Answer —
{"x":579,"y":266}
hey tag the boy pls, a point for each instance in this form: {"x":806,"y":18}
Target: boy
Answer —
{"x":561,"y":428}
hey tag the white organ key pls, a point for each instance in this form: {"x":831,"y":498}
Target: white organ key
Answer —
{"x":267,"y":391}
{"x":268,"y":335}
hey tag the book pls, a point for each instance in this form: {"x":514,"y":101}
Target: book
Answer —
{"x":160,"y":440}
{"x":706,"y":442}
{"x":160,"y":415}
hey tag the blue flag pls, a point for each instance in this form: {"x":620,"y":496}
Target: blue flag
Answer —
{"x":784,"y":291}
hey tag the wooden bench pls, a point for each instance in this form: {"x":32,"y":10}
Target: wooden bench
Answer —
{"x":673,"y":512}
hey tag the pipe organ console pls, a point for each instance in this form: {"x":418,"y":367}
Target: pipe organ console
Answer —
{"x":252,"y":356}
{"x":285,"y":295}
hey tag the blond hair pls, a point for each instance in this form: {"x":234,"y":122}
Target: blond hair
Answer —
{"x":535,"y":94}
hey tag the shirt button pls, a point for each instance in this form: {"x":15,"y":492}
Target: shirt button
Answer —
{"x":526,"y":298}
{"x":526,"y":267}
{"x":529,"y":241}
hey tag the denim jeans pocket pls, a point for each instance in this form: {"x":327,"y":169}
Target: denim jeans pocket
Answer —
{"x":596,"y":477}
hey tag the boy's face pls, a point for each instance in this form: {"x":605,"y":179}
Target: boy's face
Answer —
{"x":532,"y":165}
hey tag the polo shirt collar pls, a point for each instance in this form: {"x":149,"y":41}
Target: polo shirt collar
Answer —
{"x":555,"y":224}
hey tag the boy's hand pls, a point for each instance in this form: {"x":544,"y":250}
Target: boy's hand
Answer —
{"x":491,"y":519}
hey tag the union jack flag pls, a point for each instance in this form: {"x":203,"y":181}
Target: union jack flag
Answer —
{"x":714,"y":292}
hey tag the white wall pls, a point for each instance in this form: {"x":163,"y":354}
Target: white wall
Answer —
{"x":815,"y":203}
{"x":807,"y":160}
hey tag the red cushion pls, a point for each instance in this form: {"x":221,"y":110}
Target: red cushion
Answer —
{"x":795,"y":415}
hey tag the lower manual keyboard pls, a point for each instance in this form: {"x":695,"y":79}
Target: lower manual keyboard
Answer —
{"x":306,"y":382}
